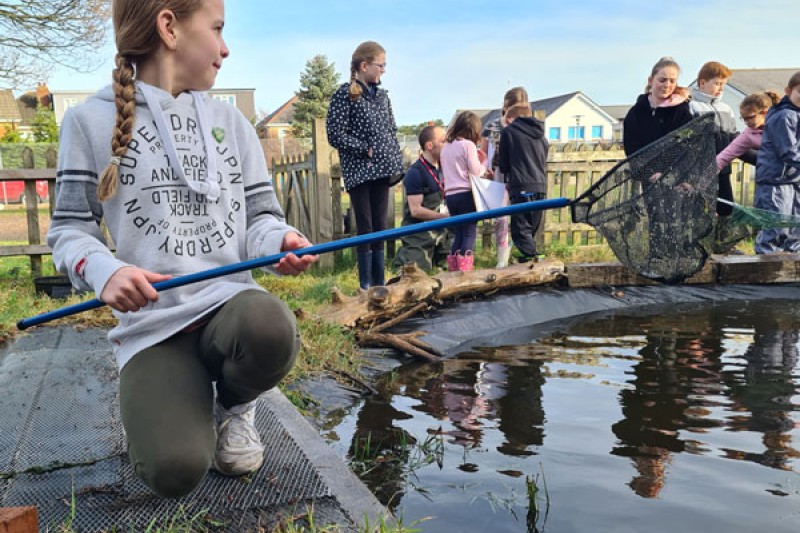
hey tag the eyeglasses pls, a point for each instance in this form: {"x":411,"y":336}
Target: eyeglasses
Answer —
{"x":381,"y":66}
{"x":748,"y":117}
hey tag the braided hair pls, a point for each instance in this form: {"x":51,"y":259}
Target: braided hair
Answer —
{"x":366,"y":52}
{"x":137,"y":39}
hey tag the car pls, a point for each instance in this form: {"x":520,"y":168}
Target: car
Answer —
{"x":13,"y":192}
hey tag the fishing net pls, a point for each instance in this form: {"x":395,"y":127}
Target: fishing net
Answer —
{"x":657,"y":209}
{"x":747,"y":221}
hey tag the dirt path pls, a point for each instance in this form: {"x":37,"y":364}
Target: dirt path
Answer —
{"x":14,"y":225}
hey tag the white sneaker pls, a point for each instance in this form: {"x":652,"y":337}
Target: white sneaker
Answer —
{"x":239,"y":448}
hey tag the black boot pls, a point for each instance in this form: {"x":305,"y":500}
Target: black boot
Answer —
{"x":378,"y":268}
{"x":365,"y":269}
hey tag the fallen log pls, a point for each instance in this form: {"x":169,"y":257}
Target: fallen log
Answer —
{"x":371,"y":312}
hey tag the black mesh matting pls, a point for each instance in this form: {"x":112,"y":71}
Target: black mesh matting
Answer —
{"x":61,"y":438}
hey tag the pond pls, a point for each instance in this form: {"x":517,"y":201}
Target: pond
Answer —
{"x":679,"y":417}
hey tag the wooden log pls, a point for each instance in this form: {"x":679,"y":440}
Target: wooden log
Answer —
{"x":768,"y":268}
{"x":584,"y":275}
{"x":382,"y":303}
{"x":19,"y":520}
{"x":400,"y":342}
{"x":415,"y":287}
{"x":490,"y":280}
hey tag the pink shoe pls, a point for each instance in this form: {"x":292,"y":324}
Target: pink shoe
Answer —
{"x":452,"y":263}
{"x":465,"y":262}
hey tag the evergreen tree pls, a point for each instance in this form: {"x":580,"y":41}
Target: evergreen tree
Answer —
{"x":45,"y":129}
{"x":317,"y":84}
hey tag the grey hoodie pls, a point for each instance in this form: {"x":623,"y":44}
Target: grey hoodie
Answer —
{"x":161,"y":220}
{"x":702,"y":103}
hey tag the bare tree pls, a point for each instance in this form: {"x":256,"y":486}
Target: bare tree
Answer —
{"x":36,"y":35}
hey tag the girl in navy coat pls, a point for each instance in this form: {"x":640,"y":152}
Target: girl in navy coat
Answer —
{"x":361,"y":126}
{"x":778,"y":170}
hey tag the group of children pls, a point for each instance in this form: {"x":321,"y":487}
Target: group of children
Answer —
{"x":512,"y":150}
{"x":517,"y":155}
{"x":770,"y":140}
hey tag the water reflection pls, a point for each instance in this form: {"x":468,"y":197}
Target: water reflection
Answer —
{"x":680,"y":383}
{"x":672,"y":387}
{"x":764,"y":389}
{"x":471,"y":395}
{"x":721,"y":381}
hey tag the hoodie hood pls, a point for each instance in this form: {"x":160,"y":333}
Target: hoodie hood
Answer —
{"x":675,"y":99}
{"x":532,"y":127}
{"x":700,"y":96}
{"x":157,"y":101}
{"x":785,"y":103}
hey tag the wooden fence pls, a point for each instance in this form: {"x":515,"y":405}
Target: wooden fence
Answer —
{"x":34,"y":248}
{"x":310,"y":191}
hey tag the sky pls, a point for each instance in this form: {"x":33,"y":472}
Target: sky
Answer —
{"x":444,"y":55}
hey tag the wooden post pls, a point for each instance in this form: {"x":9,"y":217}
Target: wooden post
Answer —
{"x":320,"y":201}
{"x":391,"y":215}
{"x":51,"y":157}
{"x":19,"y":520}
{"x":32,"y":212}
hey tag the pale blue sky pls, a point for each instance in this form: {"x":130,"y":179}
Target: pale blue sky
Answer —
{"x":447,"y":54}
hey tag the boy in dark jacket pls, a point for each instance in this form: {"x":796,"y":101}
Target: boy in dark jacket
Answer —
{"x":523,"y":161}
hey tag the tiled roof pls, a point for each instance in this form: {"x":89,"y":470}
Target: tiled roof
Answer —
{"x":748,"y":81}
{"x":617,"y":111}
{"x":8,"y":107}
{"x":548,"y":105}
{"x":283,"y":115}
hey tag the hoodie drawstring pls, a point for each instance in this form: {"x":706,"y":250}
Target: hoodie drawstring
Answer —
{"x":210,"y":187}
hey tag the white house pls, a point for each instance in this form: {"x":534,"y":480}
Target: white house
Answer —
{"x":569,"y":117}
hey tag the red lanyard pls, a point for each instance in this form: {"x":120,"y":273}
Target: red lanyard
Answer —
{"x":431,"y":172}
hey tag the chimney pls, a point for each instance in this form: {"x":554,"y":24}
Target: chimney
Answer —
{"x":43,"y":95}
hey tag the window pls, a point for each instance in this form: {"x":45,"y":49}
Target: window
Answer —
{"x":227,"y":98}
{"x":597,"y":132}
{"x":554,"y":134}
{"x":576,"y":133}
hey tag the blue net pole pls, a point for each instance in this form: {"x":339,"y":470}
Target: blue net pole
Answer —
{"x":378,"y":236}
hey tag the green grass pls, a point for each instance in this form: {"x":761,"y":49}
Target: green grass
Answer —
{"x":305,"y":523}
{"x":325,"y":345}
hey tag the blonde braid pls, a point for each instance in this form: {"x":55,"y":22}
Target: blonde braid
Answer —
{"x":124,"y":98}
{"x":355,"y":89}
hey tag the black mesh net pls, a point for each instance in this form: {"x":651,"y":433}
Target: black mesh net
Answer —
{"x":657,"y":209}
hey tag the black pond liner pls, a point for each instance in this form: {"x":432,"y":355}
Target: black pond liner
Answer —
{"x":507,"y":319}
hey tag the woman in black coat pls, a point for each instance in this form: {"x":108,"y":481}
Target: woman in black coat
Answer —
{"x":662,"y":108}
{"x":361,"y":126}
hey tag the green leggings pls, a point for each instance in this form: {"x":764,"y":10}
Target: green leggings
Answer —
{"x":167,"y":396}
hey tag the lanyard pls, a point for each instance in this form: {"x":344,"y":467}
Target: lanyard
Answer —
{"x":431,"y":172}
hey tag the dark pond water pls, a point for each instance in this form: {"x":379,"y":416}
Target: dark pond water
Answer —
{"x":679,"y":418}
